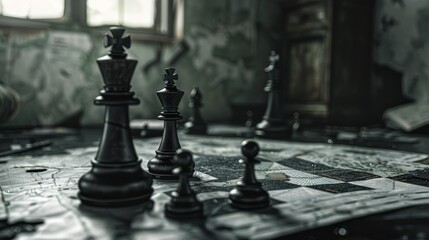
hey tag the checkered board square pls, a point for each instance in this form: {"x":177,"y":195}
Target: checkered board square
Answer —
{"x":310,"y":185}
{"x":283,"y":176}
{"x":295,"y":172}
{"x":337,"y":182}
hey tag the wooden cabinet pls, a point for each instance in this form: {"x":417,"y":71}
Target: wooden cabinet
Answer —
{"x":327,"y":59}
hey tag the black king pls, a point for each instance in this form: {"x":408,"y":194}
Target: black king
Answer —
{"x":161,"y":166}
{"x":116,"y":178}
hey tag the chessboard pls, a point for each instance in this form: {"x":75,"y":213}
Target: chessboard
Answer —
{"x":310,"y":185}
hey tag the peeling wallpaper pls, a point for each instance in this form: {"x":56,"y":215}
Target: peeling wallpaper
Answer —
{"x":56,"y":75}
{"x":402,"y":43}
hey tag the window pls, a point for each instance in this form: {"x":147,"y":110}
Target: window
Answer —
{"x":130,"y":13}
{"x":156,"y":20}
{"x":32,"y":9}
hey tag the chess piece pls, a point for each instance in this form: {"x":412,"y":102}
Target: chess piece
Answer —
{"x":184,"y":203}
{"x":116,"y":178}
{"x":248,"y":194}
{"x":273,"y":125}
{"x":195,"y":124}
{"x":249,"y":121}
{"x":249,"y":131}
{"x":161,"y":166}
{"x":296,"y":126}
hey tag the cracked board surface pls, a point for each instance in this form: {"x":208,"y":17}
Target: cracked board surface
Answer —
{"x":310,"y":185}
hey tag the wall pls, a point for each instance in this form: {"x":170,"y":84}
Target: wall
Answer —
{"x":402,"y":43}
{"x":55,"y":72}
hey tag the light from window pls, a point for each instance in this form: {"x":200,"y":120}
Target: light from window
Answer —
{"x":32,"y":9}
{"x":129,"y":13}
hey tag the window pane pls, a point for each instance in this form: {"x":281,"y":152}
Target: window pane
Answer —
{"x":46,"y":9}
{"x":139,"y":13}
{"x":102,"y":12}
{"x":130,"y":13}
{"x":16,"y":8}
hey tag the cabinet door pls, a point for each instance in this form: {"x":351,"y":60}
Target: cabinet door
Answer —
{"x":306,"y":81}
{"x":307,"y":58}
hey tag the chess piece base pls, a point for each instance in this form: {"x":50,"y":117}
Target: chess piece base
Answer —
{"x":184,"y":207}
{"x":192,"y":128}
{"x":161,"y":167}
{"x":115,"y":185}
{"x":248,"y":197}
{"x":272,"y":129}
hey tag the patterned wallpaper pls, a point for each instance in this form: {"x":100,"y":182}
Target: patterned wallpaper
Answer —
{"x":56,"y":75}
{"x":402,"y":43}
{"x":55,"y":72}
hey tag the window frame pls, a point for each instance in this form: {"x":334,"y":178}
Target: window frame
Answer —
{"x":75,"y":16}
{"x":8,"y":21}
{"x":150,"y":34}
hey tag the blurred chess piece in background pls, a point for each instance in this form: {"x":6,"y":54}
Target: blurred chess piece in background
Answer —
{"x":296,"y":126}
{"x":10,"y":103}
{"x":196,"y":123}
{"x":273,"y":125}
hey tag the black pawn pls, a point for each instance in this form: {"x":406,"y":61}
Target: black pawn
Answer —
{"x":195,"y":124}
{"x":296,"y":126}
{"x":184,"y":203}
{"x":248,"y":194}
{"x":161,"y":166}
{"x":273,"y":125}
{"x":249,"y":121}
{"x":116,"y":178}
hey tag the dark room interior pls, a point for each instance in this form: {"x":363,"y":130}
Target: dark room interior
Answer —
{"x":226,"y":119}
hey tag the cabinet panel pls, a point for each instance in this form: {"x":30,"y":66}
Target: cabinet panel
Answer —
{"x":306,"y":17}
{"x":306,"y":81}
{"x":326,"y":59}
